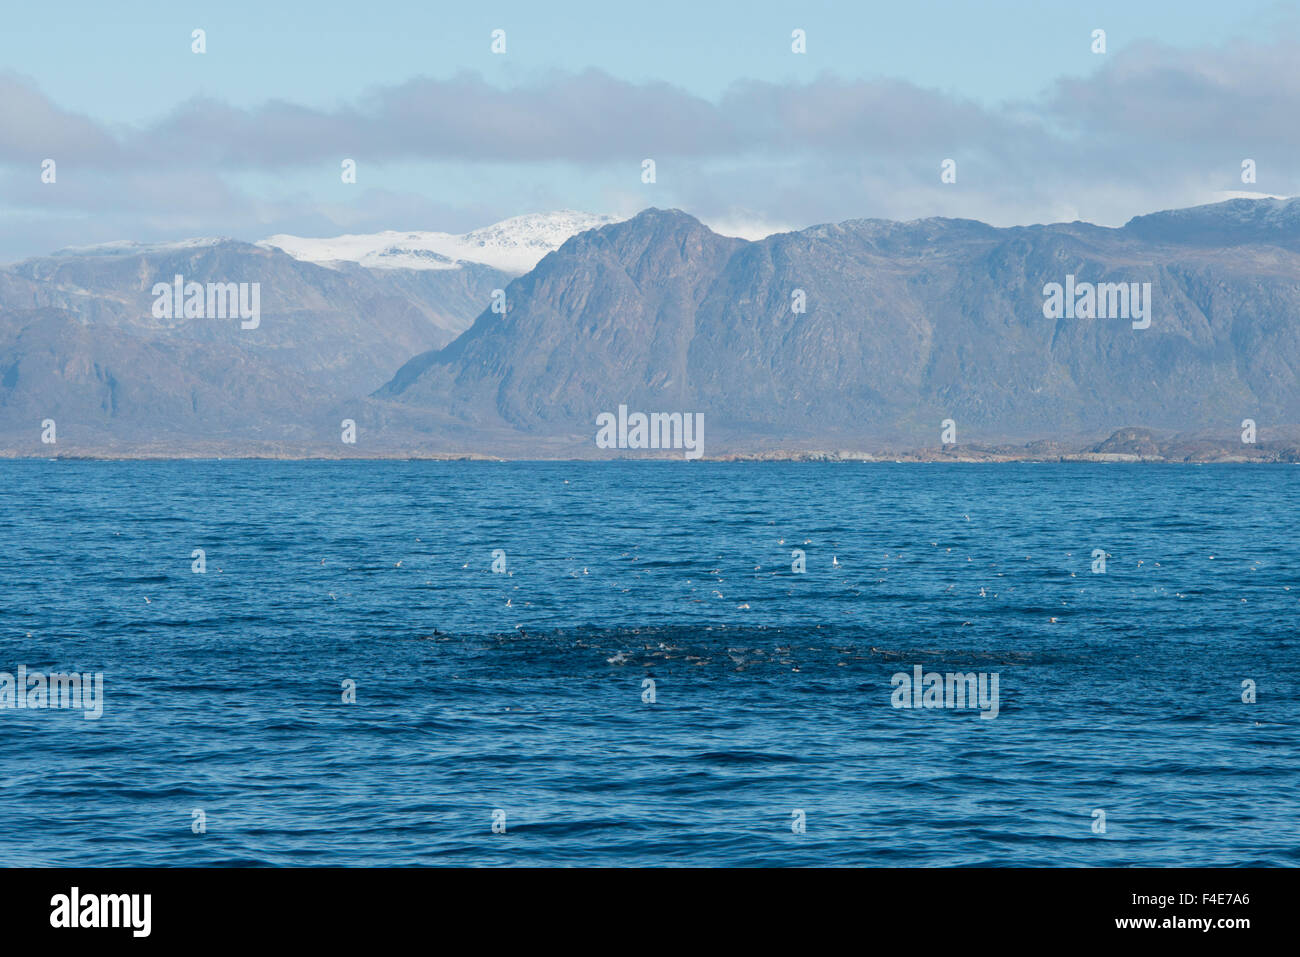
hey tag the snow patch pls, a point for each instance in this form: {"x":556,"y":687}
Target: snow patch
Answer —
{"x":512,"y":245}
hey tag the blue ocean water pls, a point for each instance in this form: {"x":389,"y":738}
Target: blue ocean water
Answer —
{"x":522,"y":691}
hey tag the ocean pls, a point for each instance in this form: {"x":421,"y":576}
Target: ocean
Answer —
{"x":645,"y":678}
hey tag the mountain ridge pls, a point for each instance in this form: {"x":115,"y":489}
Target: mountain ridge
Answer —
{"x":905,"y":325}
{"x":940,"y":291}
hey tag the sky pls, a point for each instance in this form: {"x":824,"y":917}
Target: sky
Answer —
{"x":152,"y":141}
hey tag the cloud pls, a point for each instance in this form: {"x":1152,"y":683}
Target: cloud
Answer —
{"x":1158,"y":96}
{"x":33,"y":128}
{"x":587,"y":118}
{"x":1153,"y":127}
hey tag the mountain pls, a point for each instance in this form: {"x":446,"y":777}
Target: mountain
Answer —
{"x":513,"y":245}
{"x":906,"y":325}
{"x":103,"y":388}
{"x":1273,"y":221}
{"x":80,"y":342}
{"x":350,"y":327}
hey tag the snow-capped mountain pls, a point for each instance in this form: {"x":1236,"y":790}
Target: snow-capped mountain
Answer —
{"x":512,"y":245}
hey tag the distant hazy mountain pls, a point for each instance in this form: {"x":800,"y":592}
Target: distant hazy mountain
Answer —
{"x":513,"y":245}
{"x":347,"y":327}
{"x":80,"y":342}
{"x":103,"y":387}
{"x":906,"y":325}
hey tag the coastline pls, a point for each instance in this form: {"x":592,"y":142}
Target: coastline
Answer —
{"x":914,"y":457}
{"x":1126,"y":445}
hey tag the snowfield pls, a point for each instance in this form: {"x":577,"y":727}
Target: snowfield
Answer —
{"x":512,"y":245}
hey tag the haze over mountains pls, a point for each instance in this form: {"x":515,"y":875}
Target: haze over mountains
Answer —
{"x":903,"y":325}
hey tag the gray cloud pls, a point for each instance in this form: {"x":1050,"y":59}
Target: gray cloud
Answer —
{"x":587,"y":118}
{"x":1153,"y":127}
{"x":33,"y":128}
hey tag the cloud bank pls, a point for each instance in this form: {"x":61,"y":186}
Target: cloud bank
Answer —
{"x":1153,"y":127}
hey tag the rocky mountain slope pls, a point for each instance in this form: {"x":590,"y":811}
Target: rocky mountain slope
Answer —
{"x":906,"y":325}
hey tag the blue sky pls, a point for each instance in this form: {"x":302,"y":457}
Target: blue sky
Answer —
{"x":154,"y":142}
